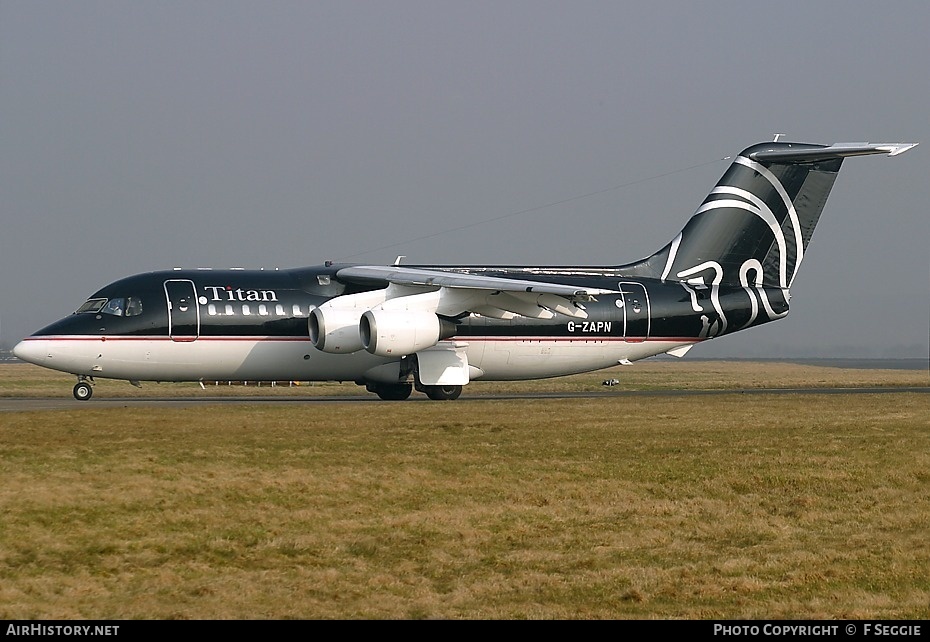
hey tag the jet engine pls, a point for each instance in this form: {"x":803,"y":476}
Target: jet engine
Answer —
{"x":397,"y":333}
{"x":335,"y":330}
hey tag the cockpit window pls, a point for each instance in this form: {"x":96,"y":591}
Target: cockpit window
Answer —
{"x":91,"y":305}
{"x":117,"y":306}
{"x":123,"y":307}
{"x":133,"y":306}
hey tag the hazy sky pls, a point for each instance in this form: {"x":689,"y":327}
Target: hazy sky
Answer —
{"x":137,"y":136}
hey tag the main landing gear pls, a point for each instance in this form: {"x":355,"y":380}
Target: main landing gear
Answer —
{"x":443,"y":393}
{"x":84,"y":388}
{"x":401,"y":391}
{"x":391,"y":392}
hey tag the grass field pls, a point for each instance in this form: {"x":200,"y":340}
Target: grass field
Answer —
{"x":22,"y":380}
{"x":727,"y":506}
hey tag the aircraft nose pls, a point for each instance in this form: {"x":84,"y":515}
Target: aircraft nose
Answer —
{"x":31,"y":350}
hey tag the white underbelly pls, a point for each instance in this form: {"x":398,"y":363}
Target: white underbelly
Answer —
{"x":295,"y":359}
{"x":519,"y":358}
{"x":243,"y":358}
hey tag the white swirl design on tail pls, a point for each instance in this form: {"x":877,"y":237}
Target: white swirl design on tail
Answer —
{"x":714,"y":288}
{"x":672,"y":253}
{"x":751,"y":264}
{"x":756,"y":206}
{"x":789,"y":205}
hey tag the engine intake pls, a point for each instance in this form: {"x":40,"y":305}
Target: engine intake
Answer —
{"x":335,"y":330}
{"x":397,"y":333}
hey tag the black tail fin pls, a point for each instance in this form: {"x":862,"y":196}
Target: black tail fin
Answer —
{"x":755,"y":225}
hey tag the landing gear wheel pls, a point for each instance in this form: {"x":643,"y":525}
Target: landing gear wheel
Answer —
{"x":83,"y":391}
{"x":443,"y":393}
{"x":396,"y":392}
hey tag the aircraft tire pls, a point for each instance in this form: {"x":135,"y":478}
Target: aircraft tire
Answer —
{"x":396,"y":392}
{"x":443,"y":393}
{"x":83,"y":391}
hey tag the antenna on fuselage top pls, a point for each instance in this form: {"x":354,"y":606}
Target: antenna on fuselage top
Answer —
{"x":777,"y":136}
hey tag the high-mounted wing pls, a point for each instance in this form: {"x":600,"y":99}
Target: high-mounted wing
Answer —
{"x":458,"y":293}
{"x":438,"y":278}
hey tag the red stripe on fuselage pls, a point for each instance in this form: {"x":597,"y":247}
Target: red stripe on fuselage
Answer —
{"x":182,"y":339}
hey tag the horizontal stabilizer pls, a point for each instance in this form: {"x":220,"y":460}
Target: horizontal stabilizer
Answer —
{"x":808,"y":154}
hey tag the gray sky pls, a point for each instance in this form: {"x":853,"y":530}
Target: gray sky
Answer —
{"x":137,"y":136}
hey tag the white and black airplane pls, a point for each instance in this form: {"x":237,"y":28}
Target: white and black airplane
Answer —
{"x":436,"y":328}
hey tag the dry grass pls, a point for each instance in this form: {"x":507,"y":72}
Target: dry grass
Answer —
{"x":22,"y":380}
{"x":729,"y":506}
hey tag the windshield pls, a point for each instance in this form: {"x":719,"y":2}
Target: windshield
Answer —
{"x":91,"y":305}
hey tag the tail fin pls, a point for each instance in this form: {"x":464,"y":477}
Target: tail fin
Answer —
{"x":755,"y":225}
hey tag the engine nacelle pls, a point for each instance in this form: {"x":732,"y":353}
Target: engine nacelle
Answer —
{"x":335,"y":330}
{"x":397,"y":333}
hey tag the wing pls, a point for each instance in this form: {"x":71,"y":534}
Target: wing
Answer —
{"x":456,"y":293}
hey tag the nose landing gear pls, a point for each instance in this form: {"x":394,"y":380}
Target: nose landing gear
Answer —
{"x":84,"y":388}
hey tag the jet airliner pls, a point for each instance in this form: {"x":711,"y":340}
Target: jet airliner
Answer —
{"x":434,"y":328}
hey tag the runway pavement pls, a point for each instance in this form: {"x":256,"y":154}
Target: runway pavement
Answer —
{"x":19,"y":404}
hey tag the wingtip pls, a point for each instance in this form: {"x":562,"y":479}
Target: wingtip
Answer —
{"x":894,"y":149}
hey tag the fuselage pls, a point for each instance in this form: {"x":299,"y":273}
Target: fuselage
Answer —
{"x":190,"y":325}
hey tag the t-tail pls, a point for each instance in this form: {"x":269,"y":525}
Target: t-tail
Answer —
{"x":754,"y":227}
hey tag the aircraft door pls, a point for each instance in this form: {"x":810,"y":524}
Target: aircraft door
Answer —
{"x":183,"y":310}
{"x":636,"y":318}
